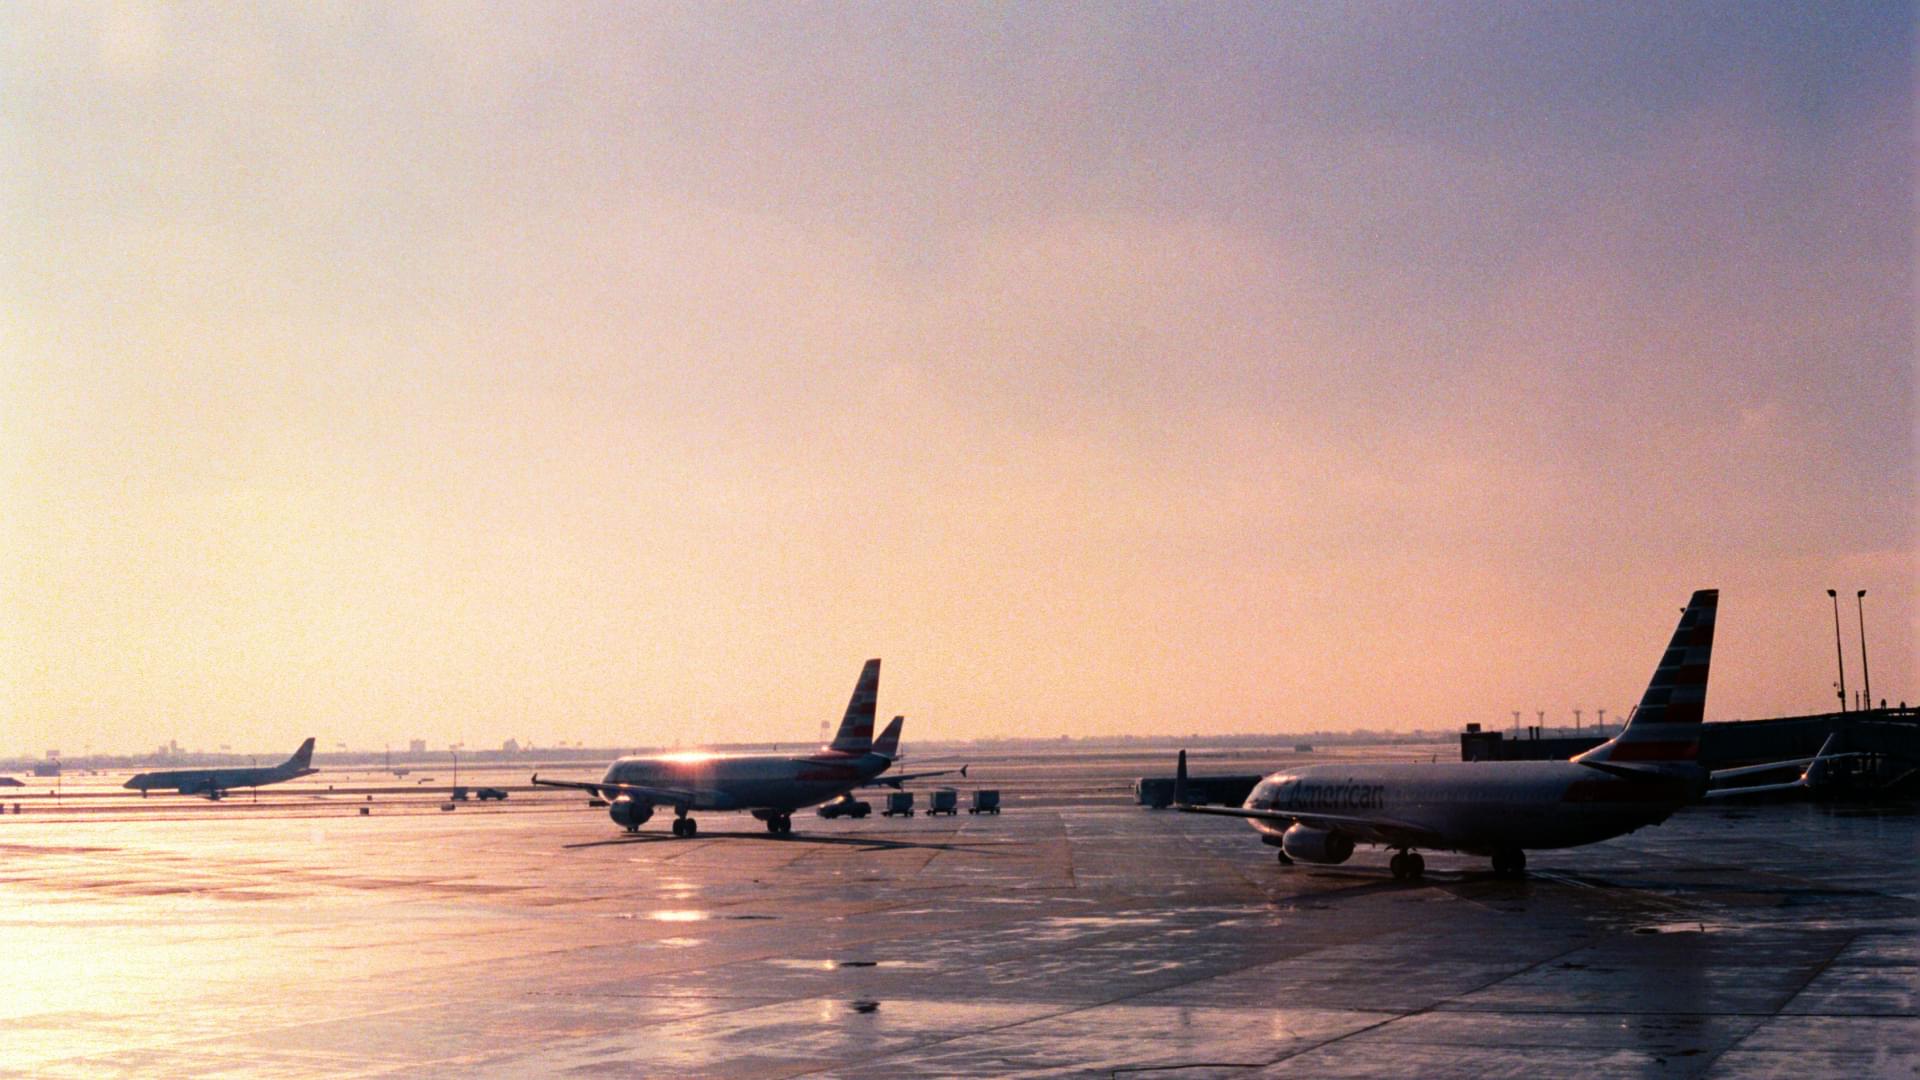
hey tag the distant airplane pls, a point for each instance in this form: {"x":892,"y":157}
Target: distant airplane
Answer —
{"x":212,"y":783}
{"x":769,"y":786}
{"x":888,"y":746}
{"x":1503,"y":808}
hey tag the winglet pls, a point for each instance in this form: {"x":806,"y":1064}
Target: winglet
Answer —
{"x":1815,"y":774}
{"x":1180,"y":781}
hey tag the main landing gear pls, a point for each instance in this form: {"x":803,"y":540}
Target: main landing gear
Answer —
{"x":684,"y":826}
{"x":1407,"y":866}
{"x":780,"y":824}
{"x":1511,"y":863}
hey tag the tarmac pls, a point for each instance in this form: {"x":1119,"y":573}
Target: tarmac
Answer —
{"x":1072,"y":935}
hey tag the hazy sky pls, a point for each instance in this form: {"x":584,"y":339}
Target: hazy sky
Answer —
{"x":630,"y":373}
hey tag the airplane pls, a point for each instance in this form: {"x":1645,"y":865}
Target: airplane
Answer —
{"x":888,"y":746}
{"x":1503,"y":809}
{"x":769,"y":786}
{"x":212,"y":783}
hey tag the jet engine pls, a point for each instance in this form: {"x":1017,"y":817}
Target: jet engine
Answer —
{"x":1316,"y":845}
{"x":630,"y":814}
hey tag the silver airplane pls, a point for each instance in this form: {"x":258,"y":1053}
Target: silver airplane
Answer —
{"x":1503,"y":809}
{"x":769,"y":786}
{"x":212,"y":783}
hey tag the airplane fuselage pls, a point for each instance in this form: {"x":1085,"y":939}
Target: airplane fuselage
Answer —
{"x":211,"y":782}
{"x":751,"y":781}
{"x":1476,"y":807}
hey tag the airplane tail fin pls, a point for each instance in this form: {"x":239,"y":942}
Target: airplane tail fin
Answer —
{"x":1180,"y":781}
{"x":1666,"y":726}
{"x":303,"y":757}
{"x":888,"y":744}
{"x":856,"y":729}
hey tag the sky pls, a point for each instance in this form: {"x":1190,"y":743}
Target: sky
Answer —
{"x":629,"y":374}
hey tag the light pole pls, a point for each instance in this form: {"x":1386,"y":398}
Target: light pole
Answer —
{"x":1860,"y":602}
{"x":1838,"y":659}
{"x":1600,"y":722}
{"x":455,"y":748}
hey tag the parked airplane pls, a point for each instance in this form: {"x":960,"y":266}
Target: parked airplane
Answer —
{"x":769,"y":786}
{"x":888,"y":746}
{"x":1501,"y":809}
{"x":213,"y":783}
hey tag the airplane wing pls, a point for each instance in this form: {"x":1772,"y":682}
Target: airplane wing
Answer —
{"x":1753,"y":789}
{"x":1770,"y":766}
{"x":895,"y":781}
{"x":1806,"y":779}
{"x":719,"y":800}
{"x":1375,"y":829}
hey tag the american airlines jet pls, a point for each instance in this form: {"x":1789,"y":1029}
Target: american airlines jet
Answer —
{"x":769,"y":786}
{"x":212,"y":783}
{"x":1504,"y":808}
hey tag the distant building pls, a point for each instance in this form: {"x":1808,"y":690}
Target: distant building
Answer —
{"x":417,"y":746}
{"x":511,"y":746}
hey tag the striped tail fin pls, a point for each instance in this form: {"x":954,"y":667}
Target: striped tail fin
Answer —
{"x":1666,"y":726}
{"x":856,"y":729}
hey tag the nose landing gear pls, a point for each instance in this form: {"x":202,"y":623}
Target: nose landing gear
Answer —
{"x":1407,"y":866}
{"x":780,"y":824}
{"x":685,"y":827}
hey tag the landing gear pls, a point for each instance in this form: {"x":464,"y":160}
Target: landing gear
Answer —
{"x":1407,"y":866}
{"x":685,"y":827}
{"x":780,"y":824}
{"x":1511,"y":863}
